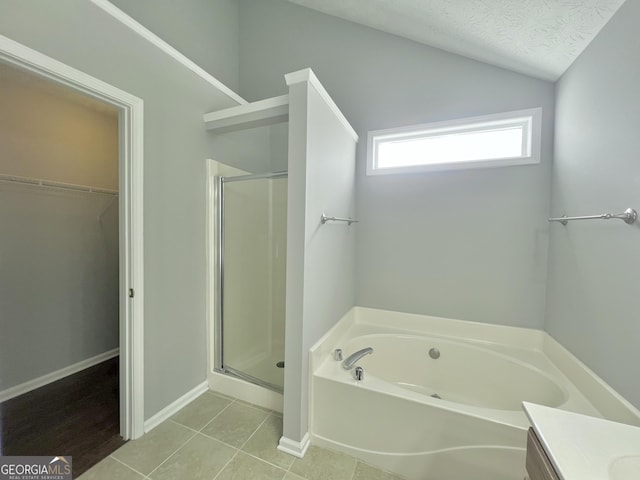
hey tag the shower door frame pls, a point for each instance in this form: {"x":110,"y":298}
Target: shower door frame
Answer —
{"x":218,"y":317}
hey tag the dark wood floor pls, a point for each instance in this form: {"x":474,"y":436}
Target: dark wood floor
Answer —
{"x":77,"y":416}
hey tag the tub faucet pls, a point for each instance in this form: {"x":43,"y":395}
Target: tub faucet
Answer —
{"x":351,"y":360}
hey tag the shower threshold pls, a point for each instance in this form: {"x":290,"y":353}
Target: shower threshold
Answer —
{"x":251,"y":379}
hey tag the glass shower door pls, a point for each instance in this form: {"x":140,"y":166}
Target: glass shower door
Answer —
{"x":253,"y":278}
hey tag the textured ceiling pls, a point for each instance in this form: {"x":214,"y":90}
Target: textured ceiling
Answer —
{"x":536,"y":37}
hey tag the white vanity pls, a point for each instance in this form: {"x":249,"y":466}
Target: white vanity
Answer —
{"x":568,"y":446}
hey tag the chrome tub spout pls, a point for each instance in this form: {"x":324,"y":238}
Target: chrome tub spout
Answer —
{"x":351,"y":360}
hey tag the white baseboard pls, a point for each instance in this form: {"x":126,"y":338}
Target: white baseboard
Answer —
{"x":173,"y":408}
{"x":57,"y":375}
{"x":297,"y":449}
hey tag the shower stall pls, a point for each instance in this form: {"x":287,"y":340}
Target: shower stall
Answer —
{"x":251,"y":235}
{"x":279,"y":275}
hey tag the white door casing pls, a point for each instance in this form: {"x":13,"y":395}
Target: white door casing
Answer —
{"x":131,"y":287}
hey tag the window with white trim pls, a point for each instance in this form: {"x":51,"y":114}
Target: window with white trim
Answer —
{"x":511,"y":138}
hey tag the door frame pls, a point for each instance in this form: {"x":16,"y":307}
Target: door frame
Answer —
{"x":130,"y":172}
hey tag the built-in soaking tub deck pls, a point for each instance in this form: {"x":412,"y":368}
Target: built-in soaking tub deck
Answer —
{"x":455,"y":417}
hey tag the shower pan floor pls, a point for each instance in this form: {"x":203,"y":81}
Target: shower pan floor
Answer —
{"x":267,"y":370}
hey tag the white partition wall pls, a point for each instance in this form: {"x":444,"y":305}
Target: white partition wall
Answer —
{"x":320,"y":258}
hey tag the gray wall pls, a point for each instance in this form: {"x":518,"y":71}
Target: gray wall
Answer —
{"x":594,"y":267}
{"x":58,"y":279}
{"x":81,"y":35}
{"x":466,"y":244}
{"x":255,"y":150}
{"x":58,"y":248}
{"x":206,"y":31}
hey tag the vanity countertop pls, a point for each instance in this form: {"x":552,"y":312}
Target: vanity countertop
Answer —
{"x":586,"y":448}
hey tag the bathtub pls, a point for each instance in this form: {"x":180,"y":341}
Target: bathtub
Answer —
{"x":457,"y":416}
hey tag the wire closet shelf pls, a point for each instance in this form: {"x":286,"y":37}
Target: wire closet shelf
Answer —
{"x":36,"y":182}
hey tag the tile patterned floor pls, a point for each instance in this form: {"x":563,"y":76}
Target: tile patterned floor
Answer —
{"x":219,"y":438}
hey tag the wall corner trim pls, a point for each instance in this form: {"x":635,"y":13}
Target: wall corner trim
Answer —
{"x":173,"y":408}
{"x":297,"y":449}
{"x":148,"y":35}
{"x":307,"y":75}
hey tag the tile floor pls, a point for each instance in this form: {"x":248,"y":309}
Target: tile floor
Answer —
{"x":219,"y":438}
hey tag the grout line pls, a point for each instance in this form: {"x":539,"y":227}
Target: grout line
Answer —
{"x":214,"y":417}
{"x":289,"y":469}
{"x":128,"y":466}
{"x":265,"y":461}
{"x":240,"y":449}
{"x":355,"y":467}
{"x":245,"y":403}
{"x":254,"y":406}
{"x":174,"y":452}
{"x":218,"y":440}
{"x":226,"y":464}
{"x":222,"y":396}
{"x":185,"y":426}
{"x":214,"y":438}
{"x":284,"y":474}
{"x":286,"y":470}
{"x":195,"y":432}
{"x":254,"y":432}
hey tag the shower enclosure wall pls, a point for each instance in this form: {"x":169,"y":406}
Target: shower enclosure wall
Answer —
{"x":251,"y":239}
{"x":305,"y":134}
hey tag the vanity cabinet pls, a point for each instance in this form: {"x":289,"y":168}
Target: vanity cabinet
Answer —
{"x":538,"y":465}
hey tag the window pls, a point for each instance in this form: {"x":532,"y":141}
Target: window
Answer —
{"x":503,"y":139}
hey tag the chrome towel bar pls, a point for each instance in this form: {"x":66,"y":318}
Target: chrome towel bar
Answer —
{"x":629,"y":216}
{"x":324,"y":219}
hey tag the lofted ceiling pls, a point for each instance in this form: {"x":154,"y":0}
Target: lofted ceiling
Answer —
{"x":535,"y":37}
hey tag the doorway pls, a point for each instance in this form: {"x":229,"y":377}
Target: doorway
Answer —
{"x":59,"y":260}
{"x":130,"y":211}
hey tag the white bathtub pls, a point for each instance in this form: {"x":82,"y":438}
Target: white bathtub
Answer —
{"x":477,"y":429}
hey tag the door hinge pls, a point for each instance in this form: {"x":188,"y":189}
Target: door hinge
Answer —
{"x":131,"y":293}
